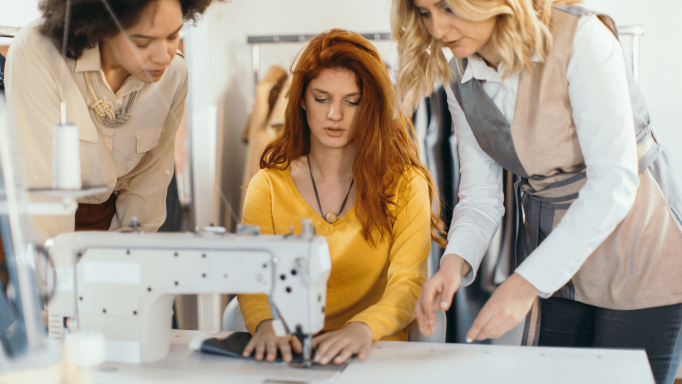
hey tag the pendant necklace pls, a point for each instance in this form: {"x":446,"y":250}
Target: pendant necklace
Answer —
{"x":330,"y":217}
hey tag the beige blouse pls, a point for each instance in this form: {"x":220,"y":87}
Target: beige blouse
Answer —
{"x":134,"y":160}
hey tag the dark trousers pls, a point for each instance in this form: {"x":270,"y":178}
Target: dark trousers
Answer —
{"x":567,"y":323}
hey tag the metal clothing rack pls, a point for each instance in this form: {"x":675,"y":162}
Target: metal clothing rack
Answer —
{"x":256,"y":41}
{"x":8,"y":31}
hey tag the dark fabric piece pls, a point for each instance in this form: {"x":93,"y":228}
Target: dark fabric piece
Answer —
{"x":173,"y":221}
{"x":488,"y":124}
{"x":233,"y":346}
{"x":567,"y":323}
{"x":96,"y":217}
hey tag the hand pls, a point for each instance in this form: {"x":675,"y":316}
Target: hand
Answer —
{"x":354,"y":338}
{"x":505,"y":309}
{"x":265,"y":339}
{"x":439,"y":290}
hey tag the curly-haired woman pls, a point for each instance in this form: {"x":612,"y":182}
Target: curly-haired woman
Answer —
{"x":124,"y":85}
{"x":346,"y":161}
{"x":541,"y":88}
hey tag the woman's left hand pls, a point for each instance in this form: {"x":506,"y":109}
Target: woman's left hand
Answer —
{"x":354,"y":338}
{"x":505,"y":309}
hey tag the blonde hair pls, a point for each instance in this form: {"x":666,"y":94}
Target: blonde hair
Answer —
{"x":522,"y":29}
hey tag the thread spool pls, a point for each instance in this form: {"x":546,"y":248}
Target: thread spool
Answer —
{"x":66,"y":164}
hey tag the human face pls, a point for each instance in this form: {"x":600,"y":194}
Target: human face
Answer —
{"x":147,"y":48}
{"x":332,"y":104}
{"x":462,"y":37}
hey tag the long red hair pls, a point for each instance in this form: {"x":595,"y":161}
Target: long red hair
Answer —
{"x":385,"y":149}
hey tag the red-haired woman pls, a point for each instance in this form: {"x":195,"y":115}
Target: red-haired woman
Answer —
{"x":345,"y":161}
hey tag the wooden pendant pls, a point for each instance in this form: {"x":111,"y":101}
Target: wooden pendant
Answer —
{"x":331,"y":217}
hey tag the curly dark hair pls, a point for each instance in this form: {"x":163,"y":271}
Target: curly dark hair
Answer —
{"x":90,"y":20}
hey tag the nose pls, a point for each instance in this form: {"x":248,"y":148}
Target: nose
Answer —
{"x":335,"y":112}
{"x":162,"y":54}
{"x":439,"y":26}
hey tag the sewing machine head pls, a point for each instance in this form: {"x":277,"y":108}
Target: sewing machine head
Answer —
{"x":123,"y":284}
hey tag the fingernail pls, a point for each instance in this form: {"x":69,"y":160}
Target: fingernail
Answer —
{"x":469,"y":339}
{"x":317,"y":359}
{"x":443,"y":305}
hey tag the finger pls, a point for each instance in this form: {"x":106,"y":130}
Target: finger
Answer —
{"x":423,"y":305}
{"x":285,"y":348}
{"x":333,"y":351}
{"x":345,"y":354}
{"x":296,"y":344}
{"x":420,"y":317}
{"x":364,"y":351}
{"x":320,"y":339}
{"x":429,"y":300}
{"x":481,"y":320}
{"x":260,"y":350}
{"x":489,"y":329}
{"x":448,"y":295}
{"x":272,"y":351}
{"x":323,"y":345}
{"x":249,"y":347}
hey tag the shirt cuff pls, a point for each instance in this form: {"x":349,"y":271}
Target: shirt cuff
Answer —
{"x":462,"y":245}
{"x":554,"y":262}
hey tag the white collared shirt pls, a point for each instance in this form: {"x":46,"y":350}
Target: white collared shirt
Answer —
{"x":134,"y":160}
{"x":602,"y":113}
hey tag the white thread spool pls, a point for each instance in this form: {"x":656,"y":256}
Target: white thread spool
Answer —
{"x":66,"y":162}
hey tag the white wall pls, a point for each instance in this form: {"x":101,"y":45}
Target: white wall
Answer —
{"x":16,"y":13}
{"x":660,"y":56}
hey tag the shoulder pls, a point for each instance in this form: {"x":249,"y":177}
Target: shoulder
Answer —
{"x":412,"y":182}
{"x":268,"y":179}
{"x":29,"y":38}
{"x":176,"y":74}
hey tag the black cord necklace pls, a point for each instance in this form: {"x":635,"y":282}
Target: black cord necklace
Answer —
{"x":330,"y":217}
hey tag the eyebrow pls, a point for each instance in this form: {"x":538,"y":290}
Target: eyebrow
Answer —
{"x":327,"y":93}
{"x":141,"y":36}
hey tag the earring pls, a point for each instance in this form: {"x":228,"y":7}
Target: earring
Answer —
{"x":303,"y":107}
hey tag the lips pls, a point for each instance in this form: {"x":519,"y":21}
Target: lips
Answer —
{"x":451,"y":44}
{"x":156,"y":73}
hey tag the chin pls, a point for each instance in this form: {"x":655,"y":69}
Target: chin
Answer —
{"x":462,"y":53}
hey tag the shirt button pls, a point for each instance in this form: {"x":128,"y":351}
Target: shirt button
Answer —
{"x":167,"y":172}
{"x":96,"y":201}
{"x":106,"y":143}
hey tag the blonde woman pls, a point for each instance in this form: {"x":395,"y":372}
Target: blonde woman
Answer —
{"x":541,"y":88}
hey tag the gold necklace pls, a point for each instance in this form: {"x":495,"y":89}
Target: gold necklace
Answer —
{"x":330,"y":217}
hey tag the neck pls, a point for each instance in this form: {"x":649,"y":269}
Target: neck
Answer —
{"x":114,"y":72}
{"x":332,"y":163}
{"x":492,"y":58}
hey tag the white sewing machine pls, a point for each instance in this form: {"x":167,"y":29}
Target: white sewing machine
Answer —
{"x":125,"y":283}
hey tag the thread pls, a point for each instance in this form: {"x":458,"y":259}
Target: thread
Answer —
{"x":66,"y":164}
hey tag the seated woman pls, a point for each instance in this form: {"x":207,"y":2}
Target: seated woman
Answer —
{"x":345,"y":160}
{"x":124,"y":89}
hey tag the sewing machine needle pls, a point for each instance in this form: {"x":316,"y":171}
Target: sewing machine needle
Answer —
{"x":307,"y":351}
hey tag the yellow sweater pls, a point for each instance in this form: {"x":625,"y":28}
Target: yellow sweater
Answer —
{"x":378,"y":285}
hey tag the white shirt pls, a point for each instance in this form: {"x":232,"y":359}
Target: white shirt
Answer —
{"x":602,"y":114}
{"x":135,"y":160}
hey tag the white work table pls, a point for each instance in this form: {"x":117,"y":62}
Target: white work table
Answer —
{"x":396,"y":363}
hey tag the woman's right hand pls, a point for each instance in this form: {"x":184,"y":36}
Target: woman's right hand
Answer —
{"x":266,"y":343}
{"x":438,"y":292}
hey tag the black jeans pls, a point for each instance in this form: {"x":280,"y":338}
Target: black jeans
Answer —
{"x":567,"y":323}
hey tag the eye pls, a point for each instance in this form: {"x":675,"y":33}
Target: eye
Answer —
{"x":423,"y":12}
{"x":320,"y":100}
{"x":353,"y":103}
{"x":173,"y":37}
